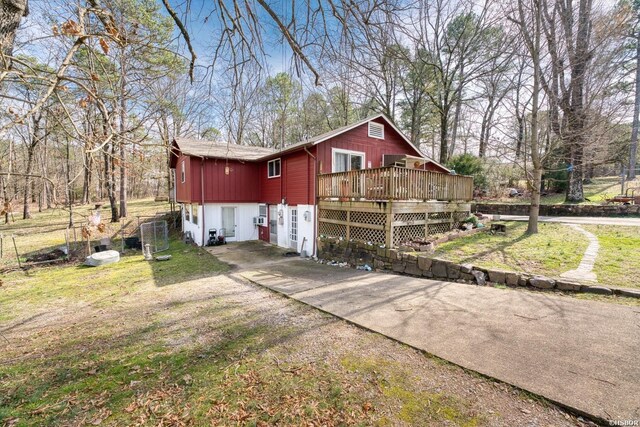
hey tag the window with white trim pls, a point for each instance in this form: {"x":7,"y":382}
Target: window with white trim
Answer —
{"x":345,"y":160}
{"x":273,"y":168}
{"x":262,"y":210}
{"x":187,"y":210}
{"x":182,"y":172}
{"x":376,"y":130}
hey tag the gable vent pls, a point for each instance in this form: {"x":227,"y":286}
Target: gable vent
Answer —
{"x":376,"y":130}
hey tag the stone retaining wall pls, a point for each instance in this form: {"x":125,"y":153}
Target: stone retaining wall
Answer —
{"x":418,"y":264}
{"x":557,"y":210}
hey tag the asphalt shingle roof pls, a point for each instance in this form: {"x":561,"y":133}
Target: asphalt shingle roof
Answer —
{"x":203,"y":148}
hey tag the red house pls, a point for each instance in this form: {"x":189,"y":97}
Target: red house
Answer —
{"x":259,"y":193}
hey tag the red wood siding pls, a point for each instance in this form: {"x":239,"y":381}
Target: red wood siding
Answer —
{"x":358,"y":140}
{"x":297,"y":177}
{"x":183,"y":189}
{"x":296,"y":183}
{"x":240,"y":185}
{"x":270,"y":188}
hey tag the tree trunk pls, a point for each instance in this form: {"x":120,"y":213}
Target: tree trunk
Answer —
{"x":68,"y":186}
{"x":11,"y":13}
{"x":533,"y":44}
{"x":88,"y":161}
{"x":109,"y":175}
{"x":26,"y":213}
{"x":444,"y":135}
{"x":5,"y":182}
{"x":534,"y":208}
{"x":485,"y":128}
{"x":520,"y":139}
{"x":454,"y":131}
{"x":123,"y":128}
{"x":633,"y":149}
{"x":111,"y":184}
{"x":575,"y":191}
{"x":86,"y":182}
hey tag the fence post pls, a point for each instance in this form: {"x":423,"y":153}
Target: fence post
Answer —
{"x":15,"y":247}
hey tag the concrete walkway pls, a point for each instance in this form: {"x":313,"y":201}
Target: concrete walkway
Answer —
{"x":621,"y":221}
{"x":581,"y":354}
{"x":584,"y":272}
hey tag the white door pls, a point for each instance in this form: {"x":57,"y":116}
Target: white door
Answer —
{"x":229,"y":222}
{"x":273,"y":224}
{"x":293,"y":229}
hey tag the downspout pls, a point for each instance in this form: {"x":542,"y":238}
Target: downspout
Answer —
{"x":281,"y":179}
{"x":202,"y":194}
{"x":315,"y":199}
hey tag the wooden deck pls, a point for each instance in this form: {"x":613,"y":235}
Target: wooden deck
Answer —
{"x":394,"y":183}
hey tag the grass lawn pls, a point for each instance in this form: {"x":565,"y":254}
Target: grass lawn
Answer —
{"x":597,"y":192}
{"x":48,"y":287}
{"x":46,"y":230}
{"x":184,"y":343}
{"x":555,"y":249}
{"x":618,"y":261}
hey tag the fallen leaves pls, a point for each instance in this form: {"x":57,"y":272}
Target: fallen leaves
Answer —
{"x":163,"y":405}
{"x":102,"y":415}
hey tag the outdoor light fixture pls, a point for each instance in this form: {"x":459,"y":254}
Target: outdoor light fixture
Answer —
{"x":307,"y":216}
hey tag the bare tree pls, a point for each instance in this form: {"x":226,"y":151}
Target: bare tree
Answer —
{"x":633,"y":150}
{"x":529,"y":23}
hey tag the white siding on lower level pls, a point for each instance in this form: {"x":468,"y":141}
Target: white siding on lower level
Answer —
{"x":245,"y":228}
{"x":212,"y":218}
{"x":188,"y":225}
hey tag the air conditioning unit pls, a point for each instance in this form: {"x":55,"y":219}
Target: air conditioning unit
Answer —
{"x":260,"y":220}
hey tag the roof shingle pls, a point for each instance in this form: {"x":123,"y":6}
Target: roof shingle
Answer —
{"x":203,"y":148}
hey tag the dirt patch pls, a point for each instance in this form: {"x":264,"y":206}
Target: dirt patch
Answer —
{"x":221,"y":351}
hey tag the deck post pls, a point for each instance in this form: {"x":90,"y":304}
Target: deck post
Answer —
{"x":388,"y":231}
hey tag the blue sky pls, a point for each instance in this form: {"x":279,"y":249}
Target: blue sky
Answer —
{"x":204,"y":27}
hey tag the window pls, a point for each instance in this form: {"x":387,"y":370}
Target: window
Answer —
{"x":182,"y":172}
{"x":344,"y":160}
{"x":293,"y":234}
{"x":273,"y":168}
{"x":376,"y":130}
{"x":194,"y":213}
{"x":262,"y":210}
{"x":187,"y":209}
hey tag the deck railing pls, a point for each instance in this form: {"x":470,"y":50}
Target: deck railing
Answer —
{"x":395,"y":183}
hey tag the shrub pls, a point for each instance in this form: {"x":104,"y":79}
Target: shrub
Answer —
{"x":468,"y":164}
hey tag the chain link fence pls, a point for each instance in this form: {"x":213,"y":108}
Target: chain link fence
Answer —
{"x":156,"y":235}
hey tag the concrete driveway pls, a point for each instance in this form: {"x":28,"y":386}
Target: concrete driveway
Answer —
{"x":581,"y":354}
